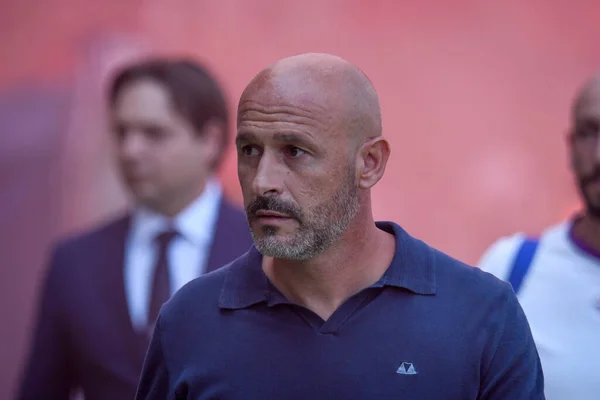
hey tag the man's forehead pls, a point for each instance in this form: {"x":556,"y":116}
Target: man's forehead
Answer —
{"x":320,"y":86}
{"x":267,"y":113}
{"x":588,"y":108}
{"x":587,"y":102}
{"x":294,"y":90}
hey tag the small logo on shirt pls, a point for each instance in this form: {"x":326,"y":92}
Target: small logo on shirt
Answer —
{"x":406,"y":368}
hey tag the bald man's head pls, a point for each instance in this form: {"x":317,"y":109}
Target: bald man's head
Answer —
{"x":325,"y":82}
{"x":309,"y":148}
{"x":585,"y":143}
{"x":588,"y":93}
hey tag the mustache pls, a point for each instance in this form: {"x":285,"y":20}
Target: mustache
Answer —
{"x":273,"y":204}
{"x":589,"y":178}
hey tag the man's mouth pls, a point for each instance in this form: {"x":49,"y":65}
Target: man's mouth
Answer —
{"x":270,"y":214}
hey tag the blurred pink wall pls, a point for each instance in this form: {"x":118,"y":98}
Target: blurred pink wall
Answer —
{"x":475,"y":96}
{"x":475,"y":103}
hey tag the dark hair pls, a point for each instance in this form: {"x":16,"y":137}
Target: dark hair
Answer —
{"x":195,"y":93}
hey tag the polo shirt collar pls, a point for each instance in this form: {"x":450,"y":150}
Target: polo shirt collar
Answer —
{"x":412,"y":268}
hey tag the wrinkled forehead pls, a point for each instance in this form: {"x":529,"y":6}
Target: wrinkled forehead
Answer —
{"x":298,"y":88}
{"x":293,"y":98}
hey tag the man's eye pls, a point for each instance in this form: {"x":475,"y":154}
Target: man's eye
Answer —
{"x":154,"y":133}
{"x":250,"y":151}
{"x":294,"y":151}
{"x":120,"y":132}
{"x":587,"y":129}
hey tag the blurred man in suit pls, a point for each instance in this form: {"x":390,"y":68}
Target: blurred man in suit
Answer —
{"x":43,"y":113}
{"x":104,"y":288}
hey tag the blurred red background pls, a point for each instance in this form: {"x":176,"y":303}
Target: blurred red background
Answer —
{"x":475,"y":99}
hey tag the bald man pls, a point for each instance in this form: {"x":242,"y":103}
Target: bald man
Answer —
{"x":330,"y":304}
{"x":557,"y":276}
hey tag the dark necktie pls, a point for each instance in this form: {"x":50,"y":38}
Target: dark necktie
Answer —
{"x":161,"y":284}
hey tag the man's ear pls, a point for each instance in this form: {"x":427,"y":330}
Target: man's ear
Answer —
{"x":212,"y":137}
{"x":372,"y":160}
{"x":570,"y":139}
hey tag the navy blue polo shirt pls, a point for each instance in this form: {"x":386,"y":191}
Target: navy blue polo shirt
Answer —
{"x":430,"y":328}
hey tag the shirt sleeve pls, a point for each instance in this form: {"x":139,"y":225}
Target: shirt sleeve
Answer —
{"x":154,"y":381}
{"x":498,"y":258}
{"x":511,"y":367}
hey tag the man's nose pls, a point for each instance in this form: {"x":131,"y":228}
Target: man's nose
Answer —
{"x":131,"y":145}
{"x":267,"y":181}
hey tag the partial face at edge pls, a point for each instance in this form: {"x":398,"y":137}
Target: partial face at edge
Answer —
{"x":585,"y":149}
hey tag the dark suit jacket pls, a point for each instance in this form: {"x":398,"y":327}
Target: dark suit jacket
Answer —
{"x":84,"y":336}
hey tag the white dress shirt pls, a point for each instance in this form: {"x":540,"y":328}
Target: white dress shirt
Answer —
{"x":187,"y":254}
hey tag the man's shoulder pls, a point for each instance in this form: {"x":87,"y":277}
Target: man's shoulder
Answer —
{"x":471,"y":281}
{"x":107,"y":232}
{"x":474,"y":297}
{"x":443,"y":274}
{"x":71,"y":253}
{"x":493,"y":325}
{"x":81,"y":257}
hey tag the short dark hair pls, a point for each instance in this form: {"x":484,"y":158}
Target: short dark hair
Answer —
{"x":195,"y":93}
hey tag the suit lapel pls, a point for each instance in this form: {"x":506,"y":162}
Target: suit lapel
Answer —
{"x":115,"y":261}
{"x":136,"y":344}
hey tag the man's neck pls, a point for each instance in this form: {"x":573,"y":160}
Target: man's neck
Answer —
{"x":172,"y":207}
{"x":587,"y":229}
{"x":356,"y":261}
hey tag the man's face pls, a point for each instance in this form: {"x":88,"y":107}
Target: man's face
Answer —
{"x":585,"y":150}
{"x":297,"y":176}
{"x":161,"y":156}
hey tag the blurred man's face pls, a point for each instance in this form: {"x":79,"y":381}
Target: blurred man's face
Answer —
{"x":161,"y":156}
{"x":585,"y":150}
{"x":297,"y":177}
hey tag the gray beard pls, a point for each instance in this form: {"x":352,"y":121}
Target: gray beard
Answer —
{"x":327,"y":223}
